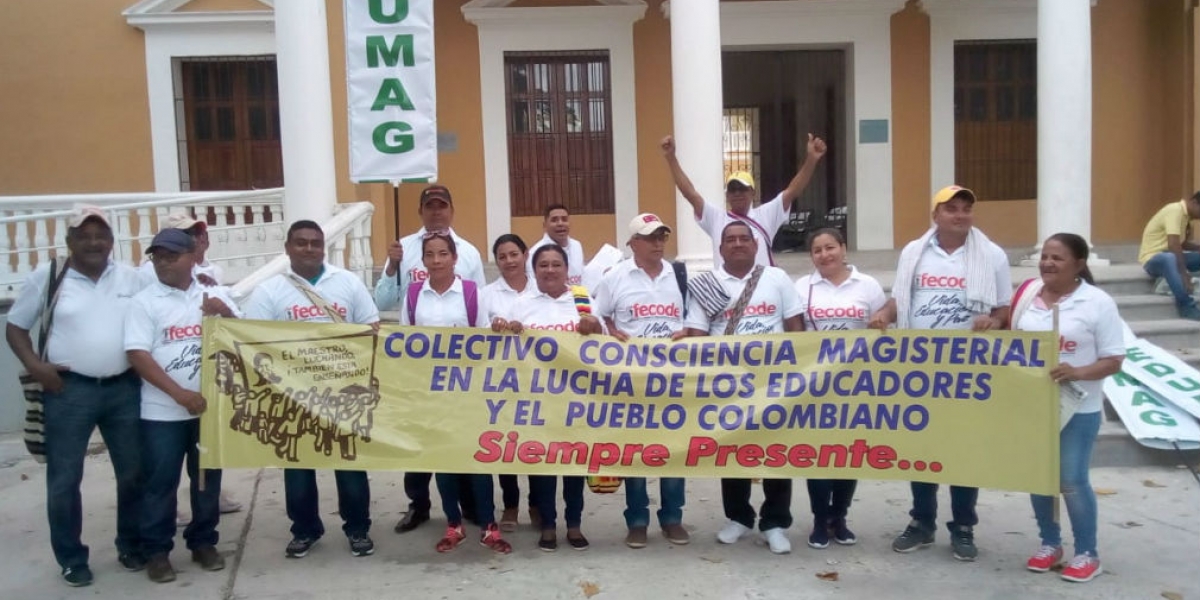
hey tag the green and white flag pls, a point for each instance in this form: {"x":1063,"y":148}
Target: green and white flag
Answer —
{"x":390,"y":89}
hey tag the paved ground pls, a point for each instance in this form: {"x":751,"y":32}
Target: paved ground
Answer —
{"x":1149,"y":537}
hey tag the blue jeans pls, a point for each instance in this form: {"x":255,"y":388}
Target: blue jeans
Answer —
{"x":962,"y":505}
{"x":84,"y":403}
{"x":452,"y":487}
{"x":354,"y":502}
{"x":542,"y":489}
{"x":1075,"y":455}
{"x":637,"y":501}
{"x":1163,"y":265}
{"x":166,"y":445}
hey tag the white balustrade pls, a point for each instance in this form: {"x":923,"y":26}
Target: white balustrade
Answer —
{"x":135,"y":219}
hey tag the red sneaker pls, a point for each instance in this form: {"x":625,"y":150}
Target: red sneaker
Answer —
{"x":1083,"y":567}
{"x":491,"y":538}
{"x":454,"y":536}
{"x":1046,"y":558}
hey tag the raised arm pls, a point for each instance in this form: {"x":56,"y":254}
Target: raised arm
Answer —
{"x":815,"y":151}
{"x":681,"y":179}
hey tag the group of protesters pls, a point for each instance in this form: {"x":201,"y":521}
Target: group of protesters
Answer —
{"x":134,"y":372}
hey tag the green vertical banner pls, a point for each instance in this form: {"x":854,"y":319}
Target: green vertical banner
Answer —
{"x":391,"y":90}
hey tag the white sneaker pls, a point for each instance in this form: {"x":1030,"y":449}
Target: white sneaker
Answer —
{"x":777,"y":540}
{"x":732,"y":532}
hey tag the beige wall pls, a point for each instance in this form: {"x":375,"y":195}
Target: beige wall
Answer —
{"x":1141,"y":96}
{"x":910,"y":123}
{"x":73,"y":99}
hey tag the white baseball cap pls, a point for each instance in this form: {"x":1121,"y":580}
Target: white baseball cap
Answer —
{"x":647,"y":224}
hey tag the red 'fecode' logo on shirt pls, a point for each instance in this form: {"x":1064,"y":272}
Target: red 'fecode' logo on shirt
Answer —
{"x":840,"y":312}
{"x":762,"y":309}
{"x":944,"y":282}
{"x":300,"y":312}
{"x":552,"y":326}
{"x":174,"y":334}
{"x":640,"y":311}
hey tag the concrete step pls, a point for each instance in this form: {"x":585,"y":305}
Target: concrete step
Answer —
{"x":1169,"y":334}
{"x":1145,"y":307}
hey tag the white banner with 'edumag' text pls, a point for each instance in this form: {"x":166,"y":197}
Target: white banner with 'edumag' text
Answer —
{"x":391,"y":91}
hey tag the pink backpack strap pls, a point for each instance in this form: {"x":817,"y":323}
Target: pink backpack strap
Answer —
{"x":471,"y":298}
{"x":413,"y":293}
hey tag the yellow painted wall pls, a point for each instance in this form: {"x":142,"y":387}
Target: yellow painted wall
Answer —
{"x":1141,"y":96}
{"x":652,"y":78}
{"x":74,"y":113}
{"x":910,"y":123}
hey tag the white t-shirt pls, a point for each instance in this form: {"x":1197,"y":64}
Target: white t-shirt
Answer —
{"x":575,"y":260}
{"x":277,"y":299}
{"x":829,"y":307}
{"x":639,"y":305}
{"x":165,"y":322}
{"x":939,"y":287}
{"x":538,"y":311}
{"x":209,"y":268}
{"x":1089,"y":329}
{"x":773,"y":301}
{"x":444,"y":310}
{"x":88,"y":332}
{"x":768,"y":214}
{"x":412,"y":268}
{"x":499,"y":297}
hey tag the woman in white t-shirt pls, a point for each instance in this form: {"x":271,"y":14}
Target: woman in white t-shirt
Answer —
{"x":445,"y":300}
{"x":511,"y":255}
{"x":1091,"y":347}
{"x":554,"y":306}
{"x":835,"y":298}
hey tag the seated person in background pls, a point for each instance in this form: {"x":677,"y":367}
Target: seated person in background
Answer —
{"x":1167,"y":253}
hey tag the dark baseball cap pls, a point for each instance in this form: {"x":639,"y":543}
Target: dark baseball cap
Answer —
{"x":172,"y":240}
{"x":435,"y":192}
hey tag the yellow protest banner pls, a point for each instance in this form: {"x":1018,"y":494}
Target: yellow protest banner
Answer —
{"x":947,"y":407}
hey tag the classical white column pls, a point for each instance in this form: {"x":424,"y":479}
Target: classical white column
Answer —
{"x":305,"y":111}
{"x":697,"y":99}
{"x":1064,"y":89}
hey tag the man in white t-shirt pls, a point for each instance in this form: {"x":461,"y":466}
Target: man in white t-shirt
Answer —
{"x":556,"y":223}
{"x":640,"y":298}
{"x":940,"y":295}
{"x":764,"y":219}
{"x":404,"y":264}
{"x":280,"y":299}
{"x":88,"y":384}
{"x":162,"y":340}
{"x":771,"y":308}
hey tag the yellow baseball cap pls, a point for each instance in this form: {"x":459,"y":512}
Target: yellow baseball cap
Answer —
{"x":741,"y":177}
{"x":951,"y":192}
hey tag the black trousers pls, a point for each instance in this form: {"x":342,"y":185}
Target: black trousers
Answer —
{"x":830,"y":498}
{"x":776,"y":508}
